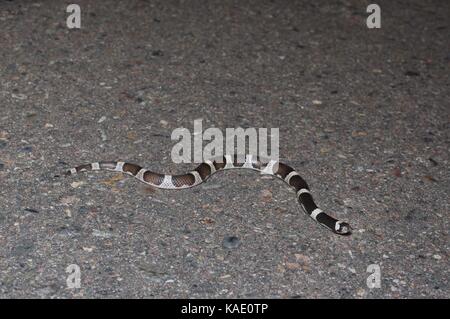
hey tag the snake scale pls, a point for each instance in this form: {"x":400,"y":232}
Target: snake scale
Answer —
{"x":209,"y":167}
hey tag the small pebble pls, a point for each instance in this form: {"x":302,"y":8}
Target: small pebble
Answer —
{"x":26,"y":149}
{"x":83,"y":210}
{"x":360,"y":292}
{"x":292,"y":266}
{"x":302,"y":259}
{"x":76,"y":184}
{"x":437,"y":257}
{"x":231,"y":242}
{"x":32,"y":210}
{"x":157,"y":53}
{"x":101,"y":234}
{"x":19,"y":96}
{"x":102,"y":119}
{"x":347,"y":202}
{"x":103,"y":135}
{"x":433,"y":161}
{"x":211,"y":186}
{"x":68,"y":200}
{"x":266,"y":195}
{"x":412,"y":73}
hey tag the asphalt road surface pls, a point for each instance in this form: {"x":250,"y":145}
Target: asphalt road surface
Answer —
{"x":363,"y":116}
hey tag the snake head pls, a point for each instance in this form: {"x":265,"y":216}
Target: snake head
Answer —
{"x":343,"y":228}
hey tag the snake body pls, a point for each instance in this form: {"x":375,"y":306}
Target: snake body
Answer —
{"x":209,"y":167}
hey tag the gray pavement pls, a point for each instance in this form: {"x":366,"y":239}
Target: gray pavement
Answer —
{"x":363,"y":115}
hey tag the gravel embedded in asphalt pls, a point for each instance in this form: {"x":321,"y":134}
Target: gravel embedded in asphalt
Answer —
{"x":363,"y":116}
{"x":231,"y":242}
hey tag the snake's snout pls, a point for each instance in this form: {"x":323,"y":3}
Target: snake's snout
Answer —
{"x":343,"y":228}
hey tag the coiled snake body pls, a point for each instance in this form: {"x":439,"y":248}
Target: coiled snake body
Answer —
{"x":209,"y":167}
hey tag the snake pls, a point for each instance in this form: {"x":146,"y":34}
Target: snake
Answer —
{"x":208,"y":167}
